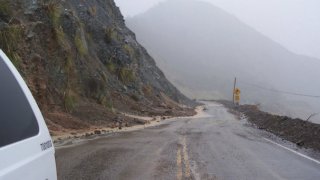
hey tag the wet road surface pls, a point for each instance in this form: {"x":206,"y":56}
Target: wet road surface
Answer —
{"x":218,"y":146}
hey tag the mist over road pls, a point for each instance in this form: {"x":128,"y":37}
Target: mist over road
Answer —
{"x":218,"y":146}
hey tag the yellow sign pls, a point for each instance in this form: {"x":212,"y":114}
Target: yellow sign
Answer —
{"x":237,"y":95}
{"x":237,"y":91}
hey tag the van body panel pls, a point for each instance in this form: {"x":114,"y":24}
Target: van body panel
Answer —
{"x":33,"y":157}
{"x":35,"y":167}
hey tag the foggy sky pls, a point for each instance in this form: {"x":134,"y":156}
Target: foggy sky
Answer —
{"x":293,"y":23}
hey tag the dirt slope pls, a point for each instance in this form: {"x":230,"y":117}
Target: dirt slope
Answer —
{"x":83,"y":65}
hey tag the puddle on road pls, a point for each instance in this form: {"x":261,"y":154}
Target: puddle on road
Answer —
{"x":161,"y":126}
{"x":244,"y":136}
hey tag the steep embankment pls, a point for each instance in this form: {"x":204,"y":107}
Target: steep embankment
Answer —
{"x":83,"y":65}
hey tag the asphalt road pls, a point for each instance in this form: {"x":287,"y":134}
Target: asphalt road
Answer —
{"x":216,"y":147}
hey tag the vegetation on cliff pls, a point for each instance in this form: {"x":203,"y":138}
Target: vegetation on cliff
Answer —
{"x":82,"y":64}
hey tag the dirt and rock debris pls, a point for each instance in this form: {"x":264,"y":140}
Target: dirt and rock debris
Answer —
{"x":83,"y":65}
{"x":301,"y":132}
{"x":72,"y":136}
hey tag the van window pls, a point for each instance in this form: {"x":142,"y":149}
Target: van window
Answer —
{"x":17,"y":120}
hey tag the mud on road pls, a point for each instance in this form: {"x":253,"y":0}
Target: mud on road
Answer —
{"x":216,"y":146}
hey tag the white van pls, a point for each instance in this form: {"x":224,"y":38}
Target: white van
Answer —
{"x":26,"y":149}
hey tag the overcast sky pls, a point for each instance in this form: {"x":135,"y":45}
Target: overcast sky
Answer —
{"x":293,"y":23}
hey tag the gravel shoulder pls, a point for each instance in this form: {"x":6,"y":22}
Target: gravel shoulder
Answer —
{"x":301,"y":132}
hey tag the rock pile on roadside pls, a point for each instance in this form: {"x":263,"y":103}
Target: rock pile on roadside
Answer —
{"x":303,"y":133}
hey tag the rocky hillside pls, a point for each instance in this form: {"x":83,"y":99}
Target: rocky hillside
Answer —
{"x":83,"y":65}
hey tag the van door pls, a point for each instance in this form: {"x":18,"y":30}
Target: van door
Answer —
{"x":26,"y":150}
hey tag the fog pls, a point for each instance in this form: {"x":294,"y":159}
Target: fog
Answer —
{"x":293,"y":23}
{"x":201,"y":48}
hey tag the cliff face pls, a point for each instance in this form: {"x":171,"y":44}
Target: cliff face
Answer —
{"x":82,"y":64}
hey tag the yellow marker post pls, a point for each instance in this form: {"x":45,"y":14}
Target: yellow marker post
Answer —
{"x":237,"y":96}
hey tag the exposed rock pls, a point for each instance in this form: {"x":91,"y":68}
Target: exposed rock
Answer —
{"x":77,"y":78}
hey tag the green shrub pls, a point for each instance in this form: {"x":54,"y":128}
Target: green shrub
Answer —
{"x":10,"y":38}
{"x":92,"y":10}
{"x":129,"y":50}
{"x":103,"y":100}
{"x":110,"y":105}
{"x":5,"y":7}
{"x":104,"y":76}
{"x":89,"y":38}
{"x":68,"y":64}
{"x":126,"y":75}
{"x":111,"y":67}
{"x":15,"y":59}
{"x":53,"y":8}
{"x":69,"y":102}
{"x":61,"y":38}
{"x":81,"y":47}
{"x":110,"y":34}
{"x":64,"y":44}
